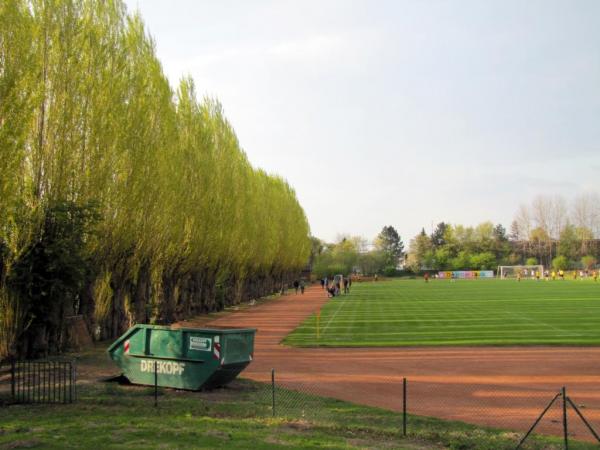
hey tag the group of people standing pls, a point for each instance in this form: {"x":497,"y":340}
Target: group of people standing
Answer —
{"x":560,"y":273}
{"x":334,"y":285}
{"x":299,"y":285}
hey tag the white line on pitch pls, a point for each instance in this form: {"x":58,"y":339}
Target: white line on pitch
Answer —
{"x":333,"y":317}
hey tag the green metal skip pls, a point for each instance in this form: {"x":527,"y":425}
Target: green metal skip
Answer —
{"x":183,"y":358}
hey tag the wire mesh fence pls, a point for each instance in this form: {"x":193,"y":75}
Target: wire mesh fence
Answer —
{"x":510,"y":407}
{"x":299,"y":400}
{"x":515,"y":409}
{"x":399,"y":406}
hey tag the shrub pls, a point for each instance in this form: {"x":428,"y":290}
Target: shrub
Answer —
{"x":560,"y":263}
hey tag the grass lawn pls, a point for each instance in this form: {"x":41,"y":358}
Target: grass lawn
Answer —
{"x":465,"y":312}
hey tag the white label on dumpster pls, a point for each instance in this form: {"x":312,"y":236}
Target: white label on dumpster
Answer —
{"x":200,"y":343}
{"x":167,"y":367}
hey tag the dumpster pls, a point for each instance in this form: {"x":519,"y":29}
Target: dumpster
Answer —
{"x":183,"y":358}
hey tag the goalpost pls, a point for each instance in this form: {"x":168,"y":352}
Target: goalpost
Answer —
{"x":525,"y":271}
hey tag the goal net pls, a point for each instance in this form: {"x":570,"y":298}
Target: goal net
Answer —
{"x":535,"y":271}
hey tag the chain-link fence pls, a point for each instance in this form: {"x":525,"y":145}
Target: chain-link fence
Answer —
{"x":395,"y":406}
{"x":521,"y":411}
{"x":511,"y":407}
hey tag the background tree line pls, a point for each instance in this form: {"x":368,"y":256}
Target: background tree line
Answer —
{"x":548,"y":231}
{"x":354,"y":254}
{"x":122,"y":200}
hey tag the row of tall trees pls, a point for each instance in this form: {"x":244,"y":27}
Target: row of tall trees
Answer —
{"x":351,"y":254}
{"x":121,"y":200}
{"x":550,"y":228}
{"x":549,"y":231}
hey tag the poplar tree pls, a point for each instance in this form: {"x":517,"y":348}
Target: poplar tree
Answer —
{"x":144,"y":191}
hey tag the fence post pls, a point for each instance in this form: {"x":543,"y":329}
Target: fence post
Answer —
{"x":273,"y":391}
{"x":12,"y":379}
{"x":155,"y":384}
{"x":36,"y":384}
{"x":43,"y":381}
{"x":71,"y":382}
{"x":75,"y":379}
{"x":404,"y":406}
{"x":39,"y":381}
{"x":54,"y":364}
{"x":564,"y":408}
{"x":64,"y":377}
{"x":28,"y":381}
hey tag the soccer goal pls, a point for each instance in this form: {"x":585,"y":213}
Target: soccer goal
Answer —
{"x":524,"y":271}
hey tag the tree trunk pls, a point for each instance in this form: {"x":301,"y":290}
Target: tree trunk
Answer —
{"x":141,"y":295}
{"x":87,"y":307}
{"x":166,"y":314}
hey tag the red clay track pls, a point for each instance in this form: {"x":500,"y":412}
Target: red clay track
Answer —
{"x":506,"y":387}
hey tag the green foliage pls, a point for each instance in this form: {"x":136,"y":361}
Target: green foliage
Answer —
{"x":569,"y":242}
{"x":48,"y":275}
{"x":456,"y":247}
{"x":438,"y":238}
{"x":589,"y":262}
{"x":441,"y":258}
{"x":390,"y":271}
{"x":560,"y":263}
{"x":500,"y":233}
{"x":483,"y":261}
{"x":461,"y":262}
{"x":88,"y":117}
{"x":531,"y":262}
{"x":13,"y":320}
{"x":339,"y":258}
{"x":428,"y":261}
{"x":372,"y":262}
{"x":349,"y":255}
{"x":420,"y":246}
{"x":316,"y":248}
{"x":388,"y":241}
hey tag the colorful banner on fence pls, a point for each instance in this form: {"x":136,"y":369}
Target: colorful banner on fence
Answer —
{"x":467,"y":274}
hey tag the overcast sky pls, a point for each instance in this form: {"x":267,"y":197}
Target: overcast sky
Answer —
{"x":395,"y":112}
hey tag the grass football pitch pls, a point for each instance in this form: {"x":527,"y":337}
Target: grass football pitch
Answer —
{"x":465,"y":312}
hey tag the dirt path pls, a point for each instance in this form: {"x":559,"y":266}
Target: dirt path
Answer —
{"x":505,"y":387}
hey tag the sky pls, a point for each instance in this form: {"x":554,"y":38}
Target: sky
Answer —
{"x":402,"y":113}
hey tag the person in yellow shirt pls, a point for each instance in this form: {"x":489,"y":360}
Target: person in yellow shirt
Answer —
{"x":561,"y":274}
{"x":553,"y":275}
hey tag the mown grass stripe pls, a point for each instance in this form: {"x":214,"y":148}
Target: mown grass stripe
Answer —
{"x":411,"y":312}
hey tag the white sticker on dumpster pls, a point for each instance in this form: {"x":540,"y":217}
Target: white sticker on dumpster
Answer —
{"x":167,"y":367}
{"x":200,"y":343}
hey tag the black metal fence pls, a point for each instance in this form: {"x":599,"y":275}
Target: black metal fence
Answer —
{"x":520,"y":410}
{"x":38,"y":382}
